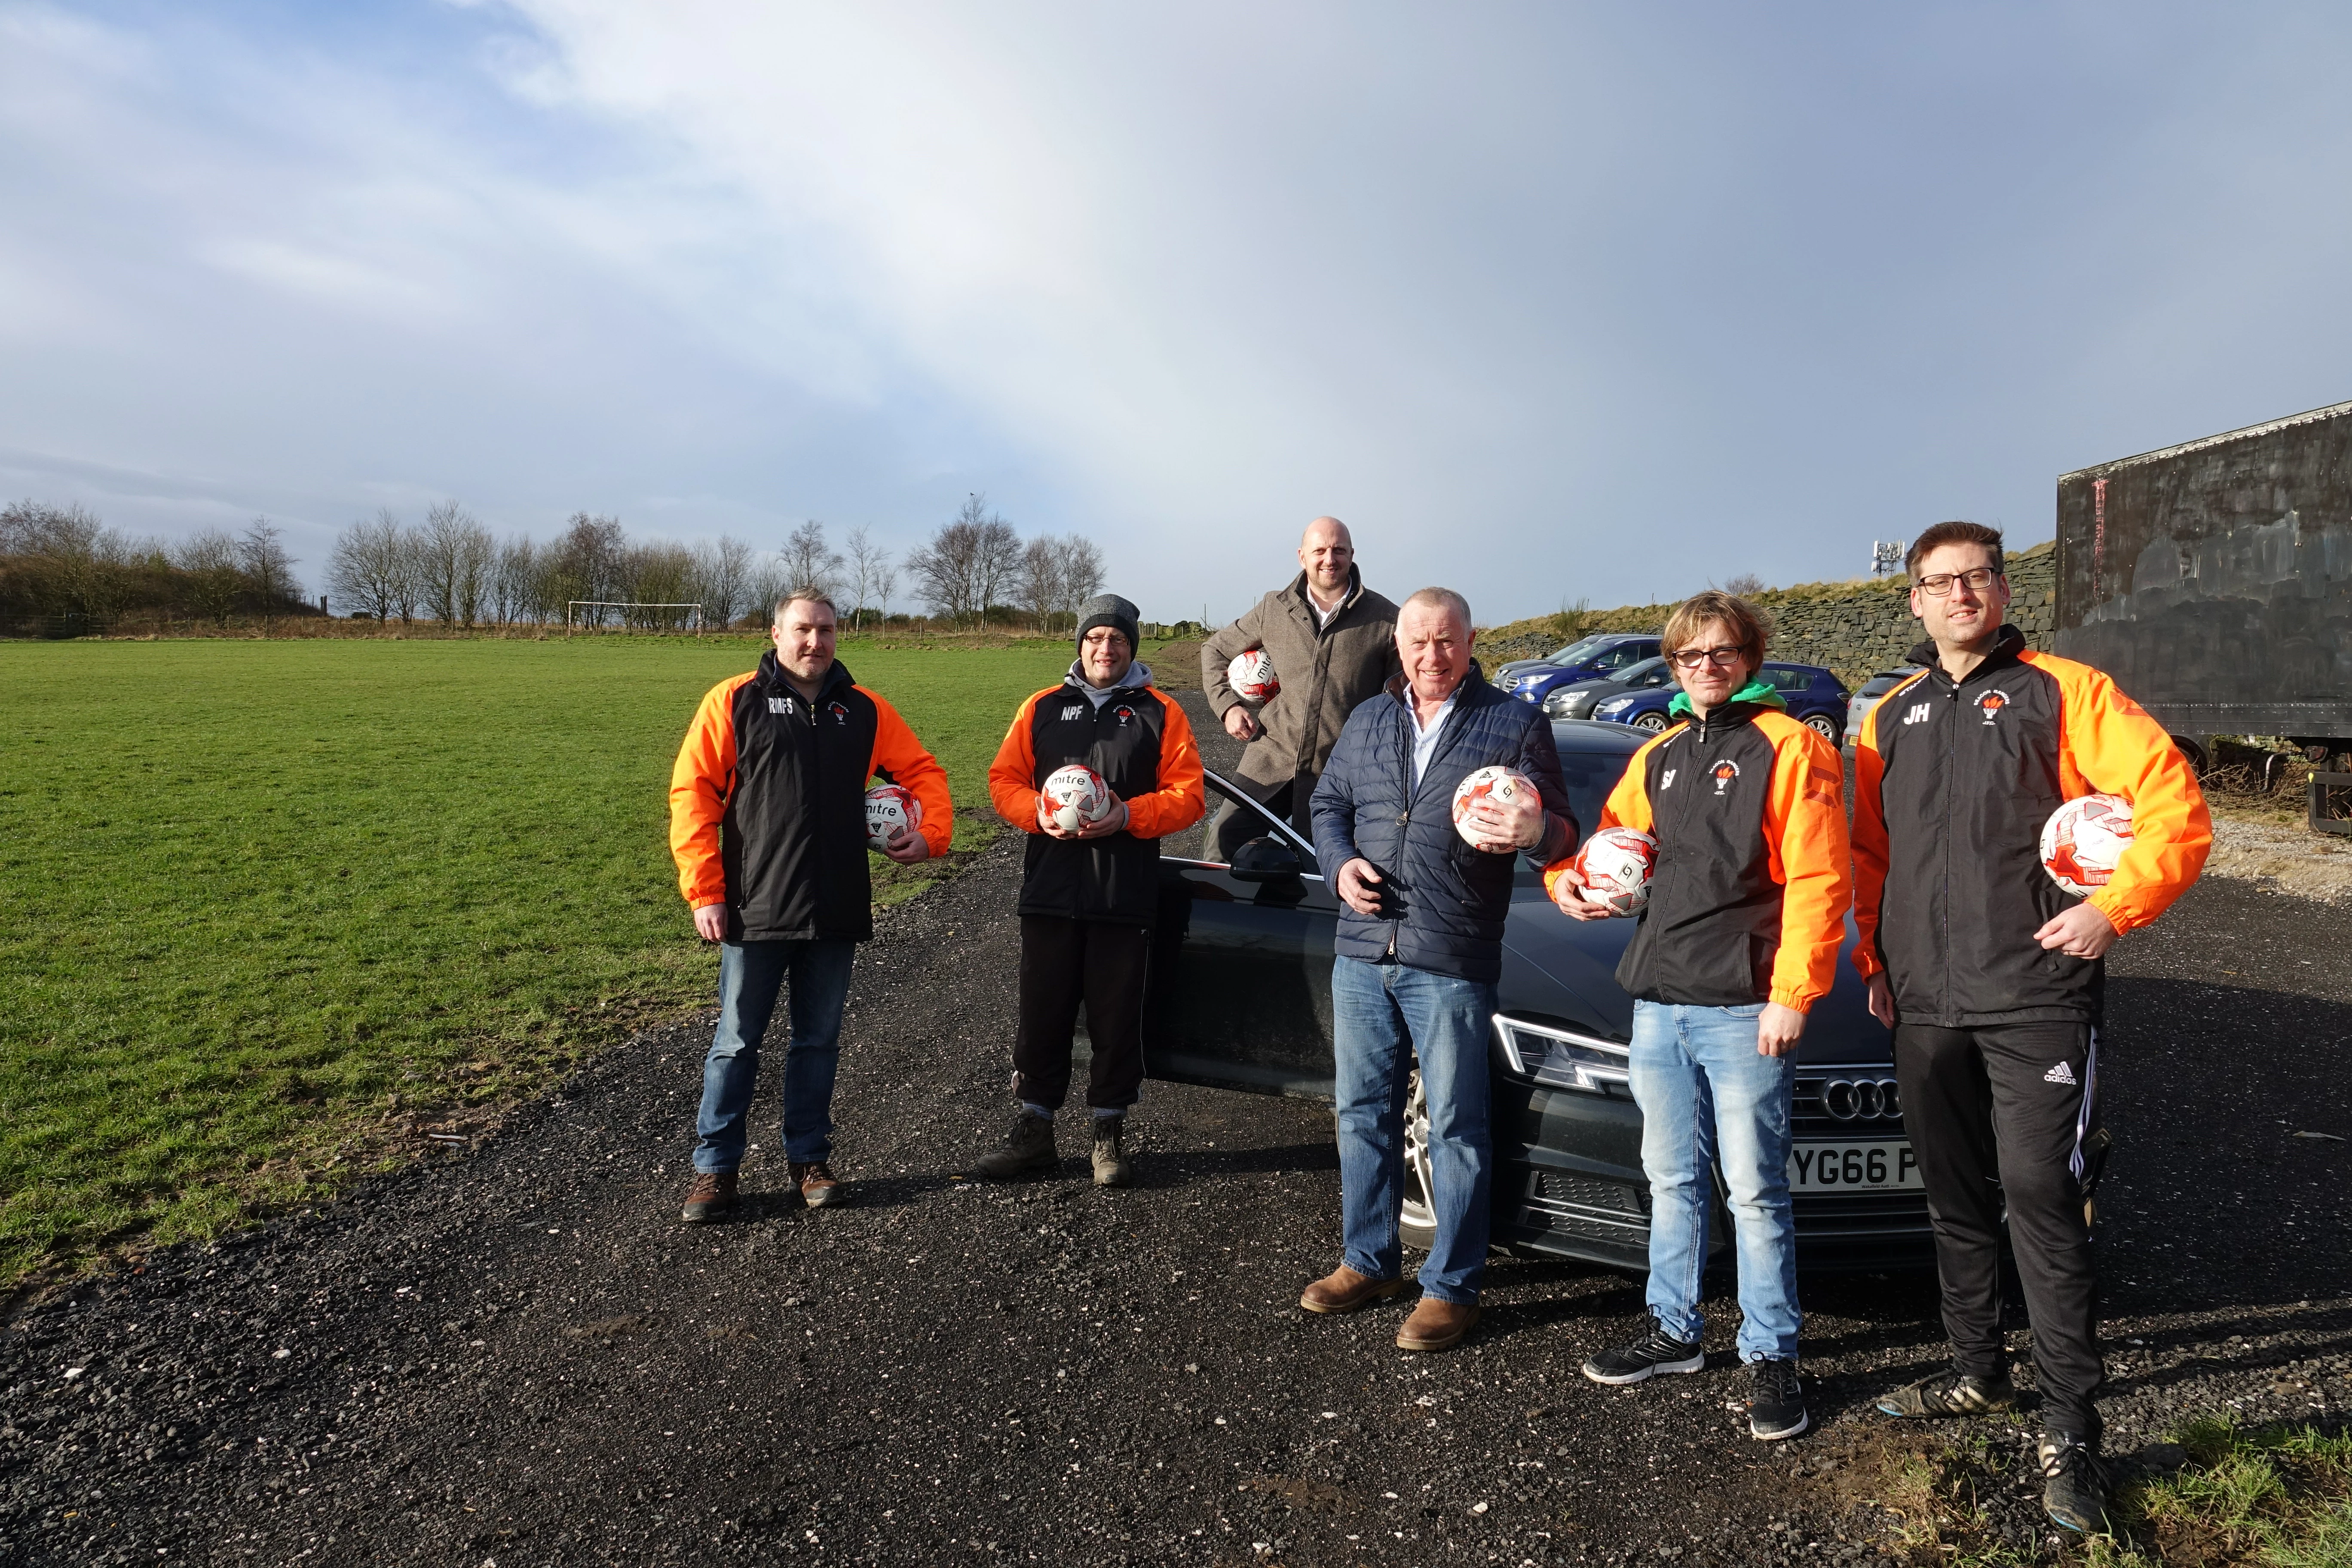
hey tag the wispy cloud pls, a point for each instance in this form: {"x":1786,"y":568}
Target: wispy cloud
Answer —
{"x":1551,"y":302}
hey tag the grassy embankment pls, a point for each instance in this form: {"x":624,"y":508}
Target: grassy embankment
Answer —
{"x":2267,"y":1497}
{"x":273,"y":909}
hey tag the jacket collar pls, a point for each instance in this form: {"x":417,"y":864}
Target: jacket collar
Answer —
{"x":1137,"y":678}
{"x":837,"y":680}
{"x":1755,"y":694}
{"x":2007,"y":644}
{"x":1306,"y":605}
{"x":1730,"y":716}
{"x":1471,"y":683}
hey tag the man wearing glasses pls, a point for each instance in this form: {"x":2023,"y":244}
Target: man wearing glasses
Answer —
{"x":1740,"y":937}
{"x":1990,"y":974}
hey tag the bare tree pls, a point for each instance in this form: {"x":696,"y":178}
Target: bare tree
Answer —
{"x":969,"y":563}
{"x":214,"y":579}
{"x":807,"y":559}
{"x":268,"y":570}
{"x":368,"y":567}
{"x":868,"y":562}
{"x":722,"y":579}
{"x":885,"y":582}
{"x":656,"y":573}
{"x":511,"y":570}
{"x":80,"y":566}
{"x":587,"y":562}
{"x":1040,"y":580}
{"x":1079,"y":566}
{"x":1746,"y":584}
{"x":454,"y":552}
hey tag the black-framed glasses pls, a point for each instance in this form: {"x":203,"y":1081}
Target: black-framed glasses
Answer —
{"x":1721,"y":658}
{"x":1939,"y":586}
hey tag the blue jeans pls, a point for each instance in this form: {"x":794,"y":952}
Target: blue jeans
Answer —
{"x":750,"y":975}
{"x":1706,"y":1095}
{"x":1381,"y":1016}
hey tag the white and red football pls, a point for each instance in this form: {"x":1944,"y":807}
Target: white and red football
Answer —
{"x":1251,"y":674}
{"x":1615,"y":864}
{"x":2083,"y":841}
{"x":889,"y":808}
{"x":1500,"y":784}
{"x":1075,"y":796}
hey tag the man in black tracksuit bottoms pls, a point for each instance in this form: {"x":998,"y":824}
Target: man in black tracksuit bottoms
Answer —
{"x":1089,"y":895}
{"x":1990,"y":973}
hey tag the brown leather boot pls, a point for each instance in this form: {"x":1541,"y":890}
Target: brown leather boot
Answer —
{"x":711,"y":1195}
{"x":818,"y":1184}
{"x":1343,"y":1290}
{"x":1437,"y":1325}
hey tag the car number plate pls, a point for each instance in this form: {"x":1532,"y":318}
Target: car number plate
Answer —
{"x":1886,"y":1165}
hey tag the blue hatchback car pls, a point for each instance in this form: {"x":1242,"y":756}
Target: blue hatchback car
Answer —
{"x":1814,"y":696}
{"x":1601,"y":657}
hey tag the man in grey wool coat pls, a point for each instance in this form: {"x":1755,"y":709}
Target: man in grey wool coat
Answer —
{"x":1333,"y":644}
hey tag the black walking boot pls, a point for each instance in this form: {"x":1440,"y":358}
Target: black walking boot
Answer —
{"x":1028,"y":1150}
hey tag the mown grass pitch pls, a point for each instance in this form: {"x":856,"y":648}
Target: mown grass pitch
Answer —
{"x":263,"y":899}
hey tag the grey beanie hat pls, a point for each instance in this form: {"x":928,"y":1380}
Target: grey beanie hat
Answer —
{"x":1109,"y":610}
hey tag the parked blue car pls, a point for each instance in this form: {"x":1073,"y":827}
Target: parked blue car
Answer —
{"x":1814,"y":697}
{"x":1601,"y":657}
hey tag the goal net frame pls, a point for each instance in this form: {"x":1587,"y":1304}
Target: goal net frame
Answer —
{"x":631,"y":613}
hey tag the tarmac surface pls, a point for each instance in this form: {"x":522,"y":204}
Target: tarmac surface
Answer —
{"x":515,"y":1354}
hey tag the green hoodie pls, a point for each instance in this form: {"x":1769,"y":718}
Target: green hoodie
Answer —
{"x":1756,"y":692}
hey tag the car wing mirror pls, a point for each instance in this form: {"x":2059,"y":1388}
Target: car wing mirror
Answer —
{"x":1265,"y":860}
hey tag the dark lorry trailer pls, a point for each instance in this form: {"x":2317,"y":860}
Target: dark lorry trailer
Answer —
{"x":2214,"y":580}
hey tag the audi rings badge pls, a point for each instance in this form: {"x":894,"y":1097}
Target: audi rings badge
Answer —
{"x":1862,"y":1099}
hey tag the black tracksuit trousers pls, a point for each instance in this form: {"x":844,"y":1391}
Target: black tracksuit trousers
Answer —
{"x":1999,"y":1115}
{"x":1064,"y":963}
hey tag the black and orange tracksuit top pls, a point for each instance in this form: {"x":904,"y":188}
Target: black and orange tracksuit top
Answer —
{"x":1748,"y":899}
{"x":1141,"y":744}
{"x":1953,"y":780}
{"x":767,"y":803}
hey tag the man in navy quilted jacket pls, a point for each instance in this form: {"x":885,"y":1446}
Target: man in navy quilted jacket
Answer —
{"x":1419,"y":948}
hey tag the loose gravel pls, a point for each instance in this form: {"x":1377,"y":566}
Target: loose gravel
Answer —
{"x":516,"y":1355}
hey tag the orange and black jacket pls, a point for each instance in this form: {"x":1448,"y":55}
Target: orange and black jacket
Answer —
{"x":1748,"y":899}
{"x":767,"y":803}
{"x":1141,"y":744}
{"x":1953,"y":780}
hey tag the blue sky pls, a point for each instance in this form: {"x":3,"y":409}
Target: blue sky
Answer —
{"x":1549,"y":302}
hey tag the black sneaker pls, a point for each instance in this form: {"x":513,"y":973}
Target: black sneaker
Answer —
{"x":2074,"y":1484}
{"x":1776,"y":1408}
{"x":1653,"y":1353}
{"x":1951,"y":1394}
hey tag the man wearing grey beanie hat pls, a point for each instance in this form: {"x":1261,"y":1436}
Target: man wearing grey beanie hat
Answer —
{"x":1089,"y":896}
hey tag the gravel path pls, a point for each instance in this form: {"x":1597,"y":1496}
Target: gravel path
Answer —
{"x":516,"y":1355}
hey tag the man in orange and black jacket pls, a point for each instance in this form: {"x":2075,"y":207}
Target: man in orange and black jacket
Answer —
{"x":767,"y":824}
{"x":1739,"y":938}
{"x":1990,"y":974}
{"x":1089,"y":897}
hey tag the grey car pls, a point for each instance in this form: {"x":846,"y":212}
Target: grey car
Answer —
{"x":1577,"y":701}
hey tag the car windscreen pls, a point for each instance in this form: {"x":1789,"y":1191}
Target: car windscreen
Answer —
{"x":1648,"y":673}
{"x":1576,"y":651}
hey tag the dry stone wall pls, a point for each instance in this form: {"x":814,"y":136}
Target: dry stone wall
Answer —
{"x":1855,"y":628}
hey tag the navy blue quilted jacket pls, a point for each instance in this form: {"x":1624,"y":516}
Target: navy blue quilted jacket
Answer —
{"x":1445,"y":902}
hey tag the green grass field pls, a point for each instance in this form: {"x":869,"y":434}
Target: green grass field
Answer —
{"x":267,"y":902}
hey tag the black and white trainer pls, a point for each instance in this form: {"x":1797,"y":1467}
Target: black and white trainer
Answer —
{"x":1776,"y":1408}
{"x":1951,"y":1394}
{"x":2074,"y":1483}
{"x":1655,"y":1351}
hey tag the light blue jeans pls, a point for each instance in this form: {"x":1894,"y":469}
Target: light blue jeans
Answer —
{"x":750,"y":975}
{"x":1382,"y":1015}
{"x":1706,"y":1096}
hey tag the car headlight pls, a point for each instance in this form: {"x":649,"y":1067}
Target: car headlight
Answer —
{"x":1562,"y":1058}
{"x":1557,"y":704}
{"x":1614,"y":705}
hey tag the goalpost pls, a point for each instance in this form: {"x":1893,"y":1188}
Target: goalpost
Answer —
{"x":635,"y":615}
